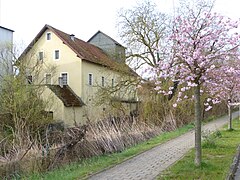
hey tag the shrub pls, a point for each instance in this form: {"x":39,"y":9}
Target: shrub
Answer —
{"x":210,"y":139}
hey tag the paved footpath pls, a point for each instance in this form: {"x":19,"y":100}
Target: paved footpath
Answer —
{"x":150,"y":164}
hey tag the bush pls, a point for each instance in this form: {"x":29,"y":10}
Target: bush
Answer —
{"x":210,"y":139}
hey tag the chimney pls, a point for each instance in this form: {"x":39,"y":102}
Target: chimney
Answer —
{"x":72,"y":36}
{"x":60,"y":82}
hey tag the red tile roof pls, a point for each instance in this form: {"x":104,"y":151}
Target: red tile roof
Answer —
{"x":84,"y":50}
{"x":66,"y":95}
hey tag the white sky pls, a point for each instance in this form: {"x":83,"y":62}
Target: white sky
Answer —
{"x":80,"y":17}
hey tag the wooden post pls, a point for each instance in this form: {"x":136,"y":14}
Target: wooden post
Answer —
{"x":230,"y":117}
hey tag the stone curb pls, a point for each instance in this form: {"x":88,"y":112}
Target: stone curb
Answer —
{"x":234,"y":165}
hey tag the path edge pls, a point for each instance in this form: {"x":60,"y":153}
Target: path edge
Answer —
{"x":233,"y":167}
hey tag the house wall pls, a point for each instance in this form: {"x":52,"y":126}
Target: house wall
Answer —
{"x":91,"y":92}
{"x":54,"y":104}
{"x":6,"y":41}
{"x":68,"y":115}
{"x":104,"y":43}
{"x":78,"y":71}
{"x":67,"y":63}
{"x":117,"y":52}
{"x":6,"y":36}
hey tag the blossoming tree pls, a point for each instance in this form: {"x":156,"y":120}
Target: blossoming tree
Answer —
{"x":202,"y":44}
{"x":225,"y":87}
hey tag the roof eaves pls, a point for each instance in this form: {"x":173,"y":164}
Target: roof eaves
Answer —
{"x":6,"y":29}
{"x":65,"y":42}
{"x":115,"y":42}
{"x":34,"y":41}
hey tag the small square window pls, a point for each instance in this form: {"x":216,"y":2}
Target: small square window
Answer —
{"x":40,"y":56}
{"x":48,"y":36}
{"x":90,"y":79}
{"x":56,"y":55}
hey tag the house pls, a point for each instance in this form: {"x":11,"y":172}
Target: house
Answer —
{"x":82,"y":70}
{"x":110,"y":46}
{"x":6,"y":41}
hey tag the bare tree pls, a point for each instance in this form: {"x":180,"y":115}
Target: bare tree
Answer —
{"x":143,"y":29}
{"x":22,"y":106}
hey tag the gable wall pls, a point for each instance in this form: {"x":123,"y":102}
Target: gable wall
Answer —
{"x":105,"y":43}
{"x":68,"y":61}
{"x":91,"y":92}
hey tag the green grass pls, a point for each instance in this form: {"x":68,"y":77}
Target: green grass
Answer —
{"x":217,"y":158}
{"x":83,"y":169}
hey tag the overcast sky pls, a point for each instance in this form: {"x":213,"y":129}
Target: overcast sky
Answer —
{"x":80,"y":17}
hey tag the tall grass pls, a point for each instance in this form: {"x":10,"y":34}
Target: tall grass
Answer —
{"x":73,"y":144}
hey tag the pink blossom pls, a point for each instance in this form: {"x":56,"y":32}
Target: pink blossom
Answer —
{"x":206,"y":55}
{"x":208,"y":108}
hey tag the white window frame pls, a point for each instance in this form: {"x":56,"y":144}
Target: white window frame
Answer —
{"x":46,"y":78}
{"x":54,"y":54}
{"x":48,"y":36}
{"x":67,"y":77}
{"x":90,"y":83}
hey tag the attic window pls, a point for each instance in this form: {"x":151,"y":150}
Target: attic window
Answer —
{"x":48,"y":36}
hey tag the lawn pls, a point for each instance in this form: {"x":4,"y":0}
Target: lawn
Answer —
{"x":218,"y":153}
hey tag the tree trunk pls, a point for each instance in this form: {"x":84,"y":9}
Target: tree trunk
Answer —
{"x":239,"y":112}
{"x":230,"y":117}
{"x":197,"y":106}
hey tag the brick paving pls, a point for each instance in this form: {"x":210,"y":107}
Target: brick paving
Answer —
{"x":150,"y":164}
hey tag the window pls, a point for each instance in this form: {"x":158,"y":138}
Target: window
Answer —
{"x":56,"y":55}
{"x":40,"y":56}
{"x":29,"y":79}
{"x":48,"y":78}
{"x":120,"y":55}
{"x":90,"y":79}
{"x":112,"y":83}
{"x":48,"y":36}
{"x":103,"y":81}
{"x":64,"y":78}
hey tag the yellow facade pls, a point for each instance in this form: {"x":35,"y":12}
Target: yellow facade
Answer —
{"x":78,"y":71}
